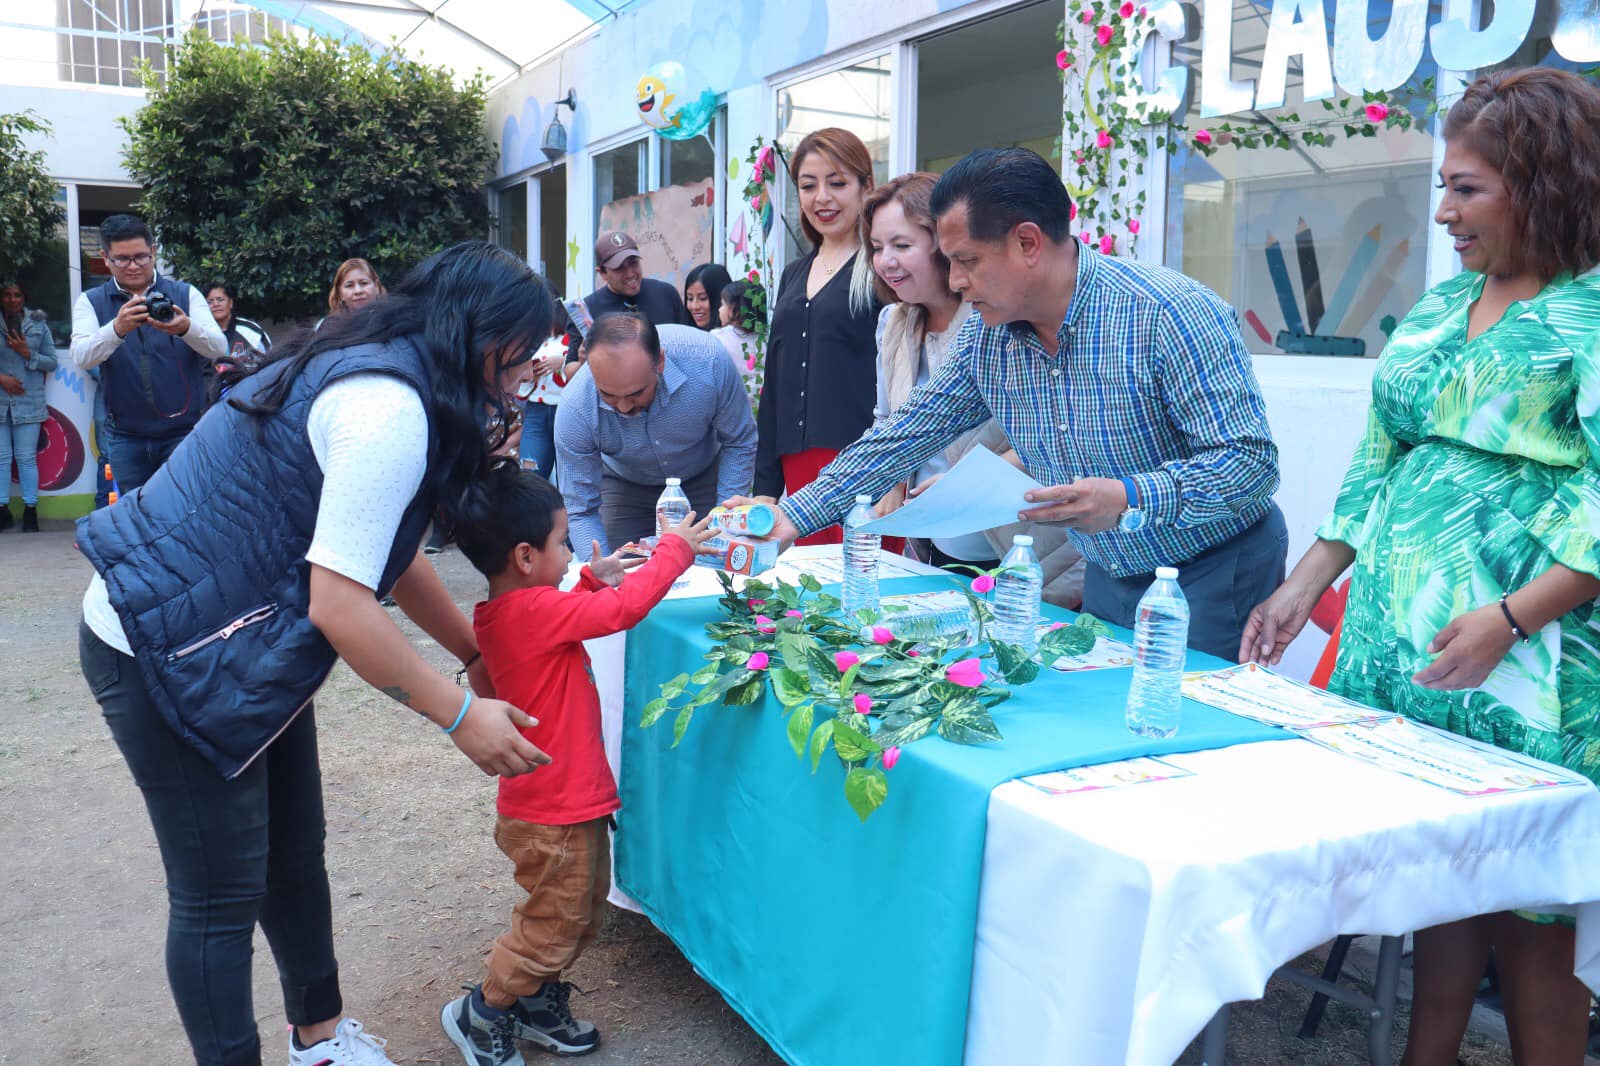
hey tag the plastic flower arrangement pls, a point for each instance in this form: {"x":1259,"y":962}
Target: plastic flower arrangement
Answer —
{"x":853,"y":687}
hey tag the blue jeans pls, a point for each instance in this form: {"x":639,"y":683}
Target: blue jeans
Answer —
{"x":539,"y":438}
{"x":19,"y":441}
{"x":135,"y":460}
{"x":236,"y":852}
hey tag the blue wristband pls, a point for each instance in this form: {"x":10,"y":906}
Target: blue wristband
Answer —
{"x":1132,"y":490}
{"x":466,"y":701}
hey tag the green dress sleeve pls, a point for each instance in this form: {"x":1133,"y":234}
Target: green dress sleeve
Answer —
{"x":1569,"y":524}
{"x":1375,"y":456}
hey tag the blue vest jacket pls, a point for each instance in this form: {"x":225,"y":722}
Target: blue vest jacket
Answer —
{"x":206,"y":563}
{"x":154,"y":384}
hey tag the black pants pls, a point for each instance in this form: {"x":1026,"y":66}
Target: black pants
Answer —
{"x":628,"y":509}
{"x":1223,"y":584}
{"x":236,"y":853}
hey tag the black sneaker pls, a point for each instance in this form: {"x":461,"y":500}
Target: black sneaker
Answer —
{"x":5,"y":514}
{"x":30,"y":519}
{"x":545,"y":1019}
{"x":482,"y":1041}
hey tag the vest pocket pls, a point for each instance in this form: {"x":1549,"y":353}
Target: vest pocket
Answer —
{"x":249,"y":618}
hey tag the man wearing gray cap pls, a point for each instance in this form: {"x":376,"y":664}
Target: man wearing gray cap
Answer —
{"x":625,"y":288}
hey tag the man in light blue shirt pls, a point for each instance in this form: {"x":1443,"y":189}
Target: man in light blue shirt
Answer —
{"x":649,"y":404}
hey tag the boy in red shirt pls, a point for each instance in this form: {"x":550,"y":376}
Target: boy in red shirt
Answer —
{"x":552,"y":824}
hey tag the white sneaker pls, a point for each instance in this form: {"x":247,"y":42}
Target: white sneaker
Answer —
{"x":349,"y":1046}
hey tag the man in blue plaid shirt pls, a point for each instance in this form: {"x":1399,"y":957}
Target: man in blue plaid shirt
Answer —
{"x":1124,"y":388}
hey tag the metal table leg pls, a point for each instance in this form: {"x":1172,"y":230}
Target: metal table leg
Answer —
{"x":1214,"y":1042}
{"x":1384,"y":987}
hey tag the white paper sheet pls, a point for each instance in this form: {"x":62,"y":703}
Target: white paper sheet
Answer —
{"x":829,"y":568}
{"x":1105,"y":775}
{"x":1457,"y":763}
{"x":1252,"y":691}
{"x":1106,"y":654}
{"x":980,"y":492}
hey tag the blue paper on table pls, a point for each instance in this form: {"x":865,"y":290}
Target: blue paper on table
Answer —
{"x":980,"y":492}
{"x":843,"y":942}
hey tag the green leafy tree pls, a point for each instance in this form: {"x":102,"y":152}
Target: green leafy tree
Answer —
{"x":30,"y":214}
{"x":268,"y":166}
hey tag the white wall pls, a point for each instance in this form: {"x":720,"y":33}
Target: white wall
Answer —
{"x":85,"y":143}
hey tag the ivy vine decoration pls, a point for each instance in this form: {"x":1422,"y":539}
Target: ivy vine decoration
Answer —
{"x":751,"y":232}
{"x":852,"y":685}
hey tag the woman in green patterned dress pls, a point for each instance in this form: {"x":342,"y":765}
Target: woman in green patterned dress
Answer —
{"x":1471,"y":513}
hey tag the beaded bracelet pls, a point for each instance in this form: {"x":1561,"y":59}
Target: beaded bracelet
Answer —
{"x":1516,"y":630}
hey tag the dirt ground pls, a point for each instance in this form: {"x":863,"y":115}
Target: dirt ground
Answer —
{"x":419,"y":888}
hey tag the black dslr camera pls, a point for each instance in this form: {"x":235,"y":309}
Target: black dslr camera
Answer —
{"x":159,"y":305}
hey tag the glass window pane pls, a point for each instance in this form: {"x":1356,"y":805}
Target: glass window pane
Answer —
{"x":990,"y":84}
{"x":1320,"y":250}
{"x":514,"y":220}
{"x":553,"y":228}
{"x":618,"y":174}
{"x":855,"y":98}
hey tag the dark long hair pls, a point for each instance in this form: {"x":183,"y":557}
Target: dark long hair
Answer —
{"x":714,"y":277}
{"x":461,"y":308}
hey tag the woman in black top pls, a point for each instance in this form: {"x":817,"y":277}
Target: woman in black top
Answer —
{"x":821,"y":366}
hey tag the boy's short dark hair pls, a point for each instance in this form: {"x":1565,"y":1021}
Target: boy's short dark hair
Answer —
{"x":509,"y":507}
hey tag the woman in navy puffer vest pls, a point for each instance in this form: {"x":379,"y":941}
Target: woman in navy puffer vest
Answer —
{"x":329,"y":463}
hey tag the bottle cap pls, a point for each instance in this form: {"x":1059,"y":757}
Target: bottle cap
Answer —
{"x":1022,"y":540}
{"x":1166,"y":573}
{"x":674,"y":481}
{"x":863,"y":498}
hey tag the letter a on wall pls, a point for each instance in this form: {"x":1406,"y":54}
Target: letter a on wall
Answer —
{"x":1298,"y":27}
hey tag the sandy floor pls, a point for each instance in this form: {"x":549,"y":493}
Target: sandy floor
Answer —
{"x":419,"y":889}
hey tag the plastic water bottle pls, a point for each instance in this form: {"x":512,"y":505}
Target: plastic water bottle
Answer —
{"x":672,"y":507}
{"x":1160,"y":637}
{"x":921,"y":624}
{"x":860,"y":560}
{"x":1016,"y":595}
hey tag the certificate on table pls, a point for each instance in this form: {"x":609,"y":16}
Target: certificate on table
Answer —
{"x":1439,"y":758}
{"x":829,"y":569}
{"x":1106,"y":654}
{"x":1121,"y":774}
{"x":1255,"y":692}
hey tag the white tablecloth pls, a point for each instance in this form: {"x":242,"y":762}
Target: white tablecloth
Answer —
{"x":1112,"y":925}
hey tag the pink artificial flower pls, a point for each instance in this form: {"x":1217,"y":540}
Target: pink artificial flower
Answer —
{"x":1126,"y":9}
{"x":891,"y":755}
{"x":1143,"y":11}
{"x":764,"y":159}
{"x":1057,"y":625}
{"x":983,"y":583}
{"x":1085,"y":236}
{"x":758,"y":661}
{"x":1202,"y":136}
{"x":754,"y":275}
{"x":1107,"y":244}
{"x":1377,"y":112}
{"x":794,"y":614}
{"x":1102,"y":35}
{"x":1088,"y":15}
{"x":968,"y":673}
{"x":757,"y":603}
{"x":844,"y":660}
{"x":1103,"y":139}
{"x":1063,"y":60}
{"x":863,"y":702}
{"x":913,"y":652}
{"x":1072,"y":212}
{"x":765,"y":624}
{"x":881,"y":635}
{"x":1078,"y":157}
{"x":1133,"y":226}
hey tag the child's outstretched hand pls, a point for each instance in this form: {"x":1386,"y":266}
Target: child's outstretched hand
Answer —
{"x":696,"y":533}
{"x":610,"y":568}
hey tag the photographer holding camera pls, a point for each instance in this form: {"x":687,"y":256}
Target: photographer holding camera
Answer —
{"x":152,"y":337}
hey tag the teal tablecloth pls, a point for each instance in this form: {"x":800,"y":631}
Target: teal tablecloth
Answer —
{"x":840,"y":941}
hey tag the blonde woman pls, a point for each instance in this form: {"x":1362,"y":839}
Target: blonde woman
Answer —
{"x":355,"y":284}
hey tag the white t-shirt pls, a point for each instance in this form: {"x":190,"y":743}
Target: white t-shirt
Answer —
{"x":369,"y":434}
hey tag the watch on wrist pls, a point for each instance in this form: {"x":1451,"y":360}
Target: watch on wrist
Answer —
{"x":1133,"y":519}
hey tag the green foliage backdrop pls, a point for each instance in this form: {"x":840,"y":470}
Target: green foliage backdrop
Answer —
{"x":267,"y":167}
{"x":29,"y":211}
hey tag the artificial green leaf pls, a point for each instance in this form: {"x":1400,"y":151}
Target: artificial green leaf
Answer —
{"x":1016,"y":664}
{"x":791,"y":688}
{"x":799,"y":728}
{"x":848,"y":680}
{"x":809,"y":583}
{"x":904,"y":732}
{"x":706,"y":674}
{"x":819,"y":742}
{"x":865,"y":789}
{"x":966,"y":722}
{"x":653,"y":712}
{"x":745,"y":692}
{"x":793,"y":648}
{"x":674,"y":688}
{"x":681,"y":725}
{"x":851,"y":743}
